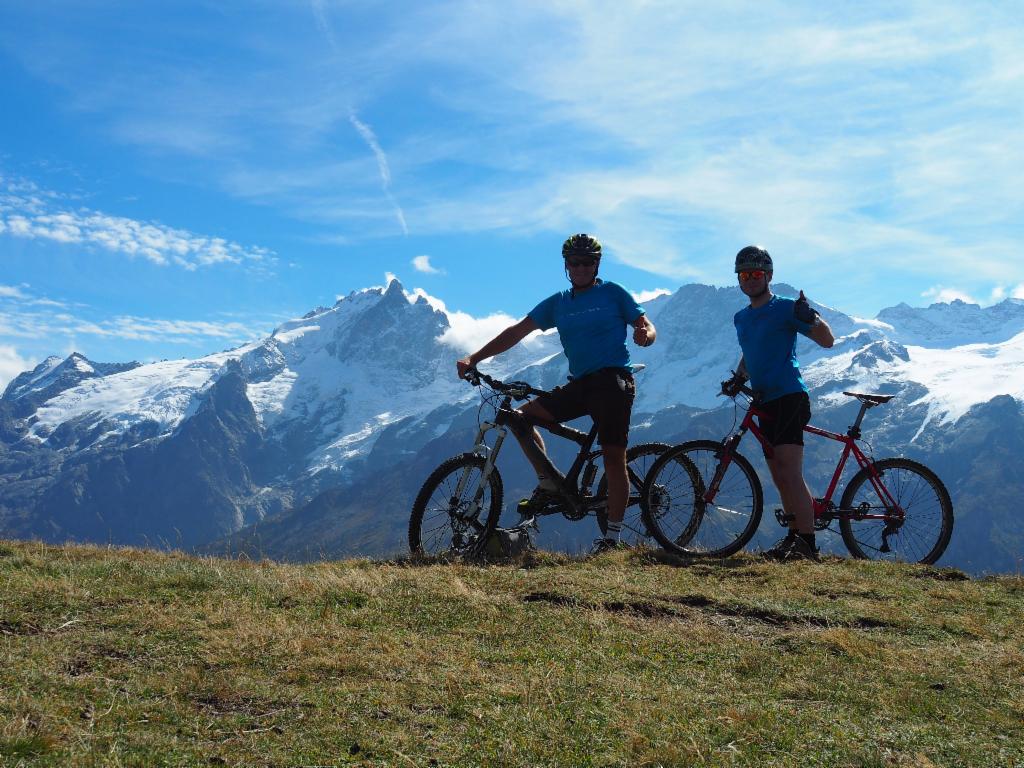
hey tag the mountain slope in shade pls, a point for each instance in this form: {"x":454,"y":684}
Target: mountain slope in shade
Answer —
{"x":314,"y":440}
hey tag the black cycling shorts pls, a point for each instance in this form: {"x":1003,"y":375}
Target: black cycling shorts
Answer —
{"x":605,"y":395}
{"x":785,"y":418}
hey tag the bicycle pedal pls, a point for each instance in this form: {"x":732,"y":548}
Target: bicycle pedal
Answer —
{"x":783,"y":518}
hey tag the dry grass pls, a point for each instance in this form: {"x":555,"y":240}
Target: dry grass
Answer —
{"x":128,"y":657}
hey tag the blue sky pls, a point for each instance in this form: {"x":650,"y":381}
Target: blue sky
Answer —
{"x":178,"y":178}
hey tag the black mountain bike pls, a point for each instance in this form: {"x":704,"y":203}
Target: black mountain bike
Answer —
{"x":459,"y":504}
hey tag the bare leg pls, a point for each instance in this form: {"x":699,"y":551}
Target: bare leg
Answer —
{"x":787,"y":473}
{"x":618,"y":481}
{"x":538,"y":413}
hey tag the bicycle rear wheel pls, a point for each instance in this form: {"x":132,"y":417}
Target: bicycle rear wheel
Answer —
{"x":922,"y":534}
{"x":639,"y":460}
{"x":683,"y":520}
{"x":445,"y":519}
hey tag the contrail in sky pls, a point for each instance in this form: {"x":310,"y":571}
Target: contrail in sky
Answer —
{"x":320,"y":12}
{"x":382,"y":165}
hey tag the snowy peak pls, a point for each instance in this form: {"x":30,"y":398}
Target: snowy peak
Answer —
{"x":53,"y":376}
{"x":954,"y":324}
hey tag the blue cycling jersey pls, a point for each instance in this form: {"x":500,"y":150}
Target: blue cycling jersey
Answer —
{"x":767,"y":336}
{"x":591,"y":325}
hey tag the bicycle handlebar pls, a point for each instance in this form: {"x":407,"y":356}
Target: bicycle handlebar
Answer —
{"x":518,"y":390}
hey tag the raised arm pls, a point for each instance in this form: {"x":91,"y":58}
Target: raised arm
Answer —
{"x":500,"y":343}
{"x":821,"y":333}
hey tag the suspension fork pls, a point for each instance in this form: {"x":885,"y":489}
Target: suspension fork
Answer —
{"x":480,"y":448}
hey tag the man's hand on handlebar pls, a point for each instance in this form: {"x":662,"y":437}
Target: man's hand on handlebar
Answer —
{"x":733,"y":385}
{"x":464,"y":366}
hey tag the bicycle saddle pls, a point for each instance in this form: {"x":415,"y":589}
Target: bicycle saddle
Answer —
{"x":870,"y":399}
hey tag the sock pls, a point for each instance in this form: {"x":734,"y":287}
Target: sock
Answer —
{"x":614,"y":530}
{"x":809,"y":538}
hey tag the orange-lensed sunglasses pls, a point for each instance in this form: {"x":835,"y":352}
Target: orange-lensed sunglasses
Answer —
{"x":753,"y":274}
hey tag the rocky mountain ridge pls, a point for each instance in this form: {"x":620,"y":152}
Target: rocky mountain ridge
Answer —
{"x":313,"y":440}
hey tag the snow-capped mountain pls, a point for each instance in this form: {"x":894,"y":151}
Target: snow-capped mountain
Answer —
{"x":313,"y":440}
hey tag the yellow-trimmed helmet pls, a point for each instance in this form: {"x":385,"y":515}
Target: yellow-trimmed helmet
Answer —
{"x":582,"y":246}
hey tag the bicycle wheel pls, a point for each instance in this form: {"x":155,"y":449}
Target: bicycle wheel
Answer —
{"x":677,"y":513}
{"x":639,"y":460}
{"x":444,"y":518}
{"x":923,"y":533}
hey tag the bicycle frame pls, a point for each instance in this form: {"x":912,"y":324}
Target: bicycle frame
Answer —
{"x":823,"y":505}
{"x":507,"y":418}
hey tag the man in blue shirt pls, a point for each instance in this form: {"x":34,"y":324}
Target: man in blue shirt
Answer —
{"x":591,"y":318}
{"x":767,"y":332}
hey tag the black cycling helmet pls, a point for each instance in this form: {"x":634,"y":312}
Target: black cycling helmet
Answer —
{"x":582,"y":246}
{"x":753,"y":257}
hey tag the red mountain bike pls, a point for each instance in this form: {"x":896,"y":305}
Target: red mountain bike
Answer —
{"x":704,"y":498}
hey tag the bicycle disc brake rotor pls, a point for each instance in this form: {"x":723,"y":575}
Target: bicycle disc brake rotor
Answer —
{"x":461,"y":524}
{"x":660,"y":501}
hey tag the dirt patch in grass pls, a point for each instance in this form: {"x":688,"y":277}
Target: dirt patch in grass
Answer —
{"x":656,"y":611}
{"x":19,"y":628}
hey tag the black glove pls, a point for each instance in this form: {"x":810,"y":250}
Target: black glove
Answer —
{"x":803,"y":311}
{"x":732,"y":386}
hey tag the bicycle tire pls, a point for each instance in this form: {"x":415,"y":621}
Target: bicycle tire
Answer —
{"x":639,"y":458}
{"x":928,"y":524}
{"x":454,"y":534}
{"x":679,"y":518}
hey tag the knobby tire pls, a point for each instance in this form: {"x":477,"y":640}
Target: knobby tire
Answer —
{"x":923,"y":535}
{"x":436,"y":526}
{"x":676,"y":514}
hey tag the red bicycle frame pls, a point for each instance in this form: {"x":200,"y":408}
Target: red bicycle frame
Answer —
{"x":894,"y":512}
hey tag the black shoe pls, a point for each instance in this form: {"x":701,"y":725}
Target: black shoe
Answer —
{"x":780,"y":548}
{"x":607,"y":545}
{"x":793,"y":547}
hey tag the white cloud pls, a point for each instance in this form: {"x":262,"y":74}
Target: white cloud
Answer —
{"x":35,"y":217}
{"x":468,"y":333}
{"x":944,"y":295}
{"x":27,"y":324}
{"x":643,"y":296}
{"x":422,"y":264}
{"x":11,"y":364}
{"x":465,"y":332}
{"x":12,"y":292}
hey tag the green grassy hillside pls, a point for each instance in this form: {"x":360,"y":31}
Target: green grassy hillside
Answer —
{"x":128,"y":657}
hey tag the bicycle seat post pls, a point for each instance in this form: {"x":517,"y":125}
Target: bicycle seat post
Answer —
{"x":854,"y":430}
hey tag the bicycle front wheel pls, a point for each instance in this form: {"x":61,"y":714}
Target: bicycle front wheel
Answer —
{"x":455,"y":511}
{"x":920,"y":535}
{"x":686,"y":516}
{"x":639,"y":460}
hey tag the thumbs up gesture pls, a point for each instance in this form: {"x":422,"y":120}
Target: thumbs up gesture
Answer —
{"x":803,"y":311}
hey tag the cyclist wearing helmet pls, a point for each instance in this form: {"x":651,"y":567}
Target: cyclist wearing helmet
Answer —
{"x":591,"y":318}
{"x":767,"y":334}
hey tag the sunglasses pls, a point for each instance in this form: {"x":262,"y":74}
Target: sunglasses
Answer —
{"x":581,"y":262}
{"x":752,"y":274}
